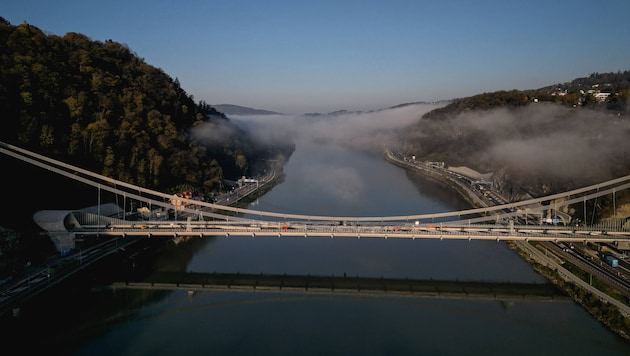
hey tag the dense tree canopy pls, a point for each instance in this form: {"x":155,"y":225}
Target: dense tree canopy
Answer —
{"x":100,"y":106}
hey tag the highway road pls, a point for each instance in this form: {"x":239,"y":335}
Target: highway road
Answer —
{"x":40,"y":278}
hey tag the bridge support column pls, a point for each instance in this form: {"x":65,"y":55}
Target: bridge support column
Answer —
{"x":63,"y":240}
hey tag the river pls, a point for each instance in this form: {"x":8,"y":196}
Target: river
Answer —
{"x":327,"y":180}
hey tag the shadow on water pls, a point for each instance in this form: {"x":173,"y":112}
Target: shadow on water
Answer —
{"x":83,"y":306}
{"x":437,"y":191}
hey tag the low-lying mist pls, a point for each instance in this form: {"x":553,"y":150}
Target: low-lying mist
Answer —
{"x":547,"y":142}
{"x":364,"y":131}
{"x":367,"y":132}
{"x":538,"y":144}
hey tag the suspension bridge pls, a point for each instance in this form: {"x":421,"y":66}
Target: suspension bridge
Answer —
{"x":195,"y":218}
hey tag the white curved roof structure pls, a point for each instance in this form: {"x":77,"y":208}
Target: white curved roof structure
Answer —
{"x":60,"y":223}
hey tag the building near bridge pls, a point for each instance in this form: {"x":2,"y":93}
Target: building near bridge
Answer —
{"x":59,"y":224}
{"x":244,"y":181}
{"x":186,"y":199}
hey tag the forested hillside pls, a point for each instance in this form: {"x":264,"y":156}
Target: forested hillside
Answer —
{"x":100,"y":106}
{"x":535,"y":141}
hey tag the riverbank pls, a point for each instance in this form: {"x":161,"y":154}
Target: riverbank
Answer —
{"x":468,"y":195}
{"x":595,"y":302}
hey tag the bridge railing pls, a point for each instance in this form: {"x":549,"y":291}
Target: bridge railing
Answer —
{"x":498,"y":232}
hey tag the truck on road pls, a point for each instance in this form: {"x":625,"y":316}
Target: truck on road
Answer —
{"x":612,"y":261}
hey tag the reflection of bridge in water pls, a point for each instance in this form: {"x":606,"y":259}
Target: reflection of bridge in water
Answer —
{"x":350,"y":285}
{"x":503,"y":222}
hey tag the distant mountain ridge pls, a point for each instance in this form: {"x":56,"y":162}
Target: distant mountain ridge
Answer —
{"x":344,"y":112}
{"x":230,"y":109}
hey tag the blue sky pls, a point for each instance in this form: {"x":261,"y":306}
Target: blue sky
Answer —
{"x":295,"y":56}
